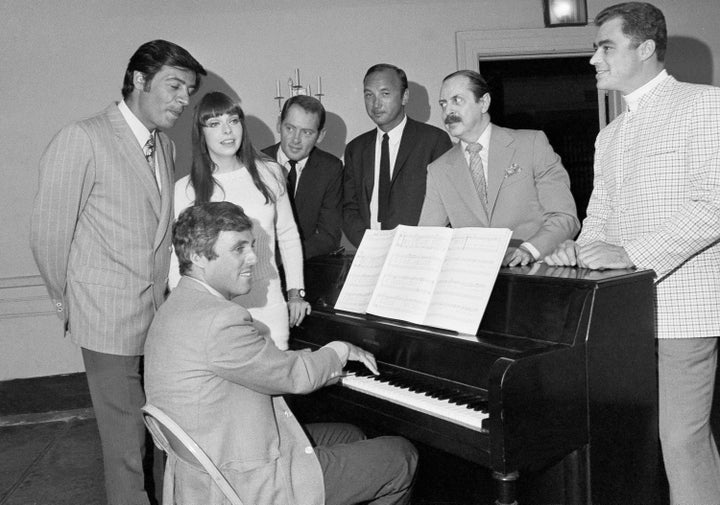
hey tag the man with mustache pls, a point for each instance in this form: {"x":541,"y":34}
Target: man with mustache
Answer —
{"x":100,"y":234}
{"x":384,"y":179}
{"x":656,"y":205}
{"x":497,"y":177}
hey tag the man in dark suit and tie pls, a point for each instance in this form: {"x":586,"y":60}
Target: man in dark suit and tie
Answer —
{"x":314,"y":176}
{"x":100,"y":234}
{"x":384,"y":181}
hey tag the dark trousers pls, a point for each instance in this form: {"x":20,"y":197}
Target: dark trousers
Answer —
{"x":117,"y":396}
{"x":380,"y":471}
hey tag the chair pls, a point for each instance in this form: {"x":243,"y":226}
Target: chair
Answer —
{"x":172,"y":439}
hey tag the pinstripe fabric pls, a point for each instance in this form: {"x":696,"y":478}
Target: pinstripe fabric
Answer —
{"x":657,"y":194}
{"x":100,"y":231}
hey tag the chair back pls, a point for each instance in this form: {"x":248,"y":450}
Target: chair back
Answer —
{"x":172,"y":439}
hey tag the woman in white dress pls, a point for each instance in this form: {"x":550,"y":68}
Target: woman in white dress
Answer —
{"x":227,"y":167}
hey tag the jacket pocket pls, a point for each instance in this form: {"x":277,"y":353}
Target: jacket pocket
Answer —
{"x":99,"y":276}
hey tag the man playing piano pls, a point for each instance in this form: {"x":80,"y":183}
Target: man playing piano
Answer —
{"x":209,"y":368}
{"x":656,"y":205}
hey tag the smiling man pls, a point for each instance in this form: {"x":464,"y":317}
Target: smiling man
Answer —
{"x":221,"y":379}
{"x":314,"y":176}
{"x":100,"y":234}
{"x":384,"y":179}
{"x":656,"y":205}
{"x":497,"y":177}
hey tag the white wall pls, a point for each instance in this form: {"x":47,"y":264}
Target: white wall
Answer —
{"x":64,"y":60}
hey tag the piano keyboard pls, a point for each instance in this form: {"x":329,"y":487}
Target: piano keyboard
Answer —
{"x":463,"y":409}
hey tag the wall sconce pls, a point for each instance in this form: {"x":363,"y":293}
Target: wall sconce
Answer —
{"x":295,"y":88}
{"x":565,"y":12}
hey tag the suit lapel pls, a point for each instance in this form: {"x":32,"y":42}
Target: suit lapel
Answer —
{"x":308,"y":177}
{"x":166,"y":169}
{"x":458,"y":173}
{"x":134,"y":157}
{"x":368,"y":165}
{"x":500,"y":158}
{"x":407,"y":143}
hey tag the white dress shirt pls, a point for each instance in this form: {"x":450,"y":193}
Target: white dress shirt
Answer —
{"x":141,"y":133}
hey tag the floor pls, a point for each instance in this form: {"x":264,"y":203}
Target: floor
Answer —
{"x":50,"y":451}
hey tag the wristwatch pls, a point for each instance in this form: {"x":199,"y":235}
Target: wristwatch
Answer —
{"x":298,"y":293}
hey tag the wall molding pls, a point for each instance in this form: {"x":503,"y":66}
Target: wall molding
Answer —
{"x":24,"y":296}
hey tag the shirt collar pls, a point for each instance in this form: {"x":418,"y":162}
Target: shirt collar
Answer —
{"x":283,"y":160}
{"x":394,"y":135}
{"x":484,"y":139}
{"x":633,"y":99}
{"x":141,"y":133}
{"x":207,"y":286}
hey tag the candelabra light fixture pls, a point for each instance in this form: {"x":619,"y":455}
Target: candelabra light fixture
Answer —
{"x":296,"y":88}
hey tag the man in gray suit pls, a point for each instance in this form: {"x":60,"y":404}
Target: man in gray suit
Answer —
{"x":221,"y":379}
{"x":100,"y":234}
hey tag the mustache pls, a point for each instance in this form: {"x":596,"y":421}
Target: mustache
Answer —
{"x":453,"y":118}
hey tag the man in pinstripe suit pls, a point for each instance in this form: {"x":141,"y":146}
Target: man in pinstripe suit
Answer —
{"x":100,"y":234}
{"x":656,"y":205}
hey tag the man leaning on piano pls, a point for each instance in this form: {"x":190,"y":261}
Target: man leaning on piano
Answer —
{"x":497,"y":177}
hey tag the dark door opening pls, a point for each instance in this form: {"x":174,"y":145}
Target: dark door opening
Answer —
{"x":557,"y":96}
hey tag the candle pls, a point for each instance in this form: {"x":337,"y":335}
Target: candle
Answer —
{"x":277,"y":88}
{"x":297,"y":76}
{"x":319,"y":87}
{"x":309,"y":91}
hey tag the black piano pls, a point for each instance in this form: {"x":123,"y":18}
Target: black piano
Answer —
{"x":562,"y":369}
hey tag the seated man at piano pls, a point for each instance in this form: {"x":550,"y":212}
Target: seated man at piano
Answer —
{"x":497,"y":177}
{"x":213,"y":372}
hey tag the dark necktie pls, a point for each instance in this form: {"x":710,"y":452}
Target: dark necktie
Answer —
{"x":384,"y":180}
{"x":292,"y":179}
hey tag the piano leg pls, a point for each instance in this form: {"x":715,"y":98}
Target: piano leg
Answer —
{"x":506,"y":488}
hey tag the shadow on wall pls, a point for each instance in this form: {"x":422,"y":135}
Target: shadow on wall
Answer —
{"x":418,"y":106}
{"x":689,"y":60}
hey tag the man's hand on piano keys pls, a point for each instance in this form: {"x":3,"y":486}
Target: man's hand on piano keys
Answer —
{"x":364,"y":357}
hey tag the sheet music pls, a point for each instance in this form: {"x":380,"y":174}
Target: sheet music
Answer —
{"x":365,"y":271}
{"x":407,"y":281}
{"x":432,"y":276}
{"x":467,"y":277}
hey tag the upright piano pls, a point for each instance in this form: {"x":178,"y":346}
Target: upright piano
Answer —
{"x":562,"y":368}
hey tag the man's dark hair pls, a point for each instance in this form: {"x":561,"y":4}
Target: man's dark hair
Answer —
{"x":641,"y":21}
{"x":150,"y":58}
{"x":197,"y":228}
{"x":478,"y":86}
{"x":309,"y":104}
{"x":380,"y":67}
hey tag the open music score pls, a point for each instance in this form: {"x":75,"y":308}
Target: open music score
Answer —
{"x":433,"y":276}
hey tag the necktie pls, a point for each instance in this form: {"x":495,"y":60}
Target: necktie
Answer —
{"x":477,"y":171}
{"x":149,"y":151}
{"x":384,"y":179}
{"x":292,"y":179}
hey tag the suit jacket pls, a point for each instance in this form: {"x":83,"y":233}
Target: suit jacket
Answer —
{"x":208,"y":368}
{"x":100,"y":231}
{"x":420,"y":144}
{"x":528,"y":191}
{"x":317,"y":204}
{"x":657,"y":194}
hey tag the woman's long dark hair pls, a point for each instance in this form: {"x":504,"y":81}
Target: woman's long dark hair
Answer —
{"x":212,"y":105}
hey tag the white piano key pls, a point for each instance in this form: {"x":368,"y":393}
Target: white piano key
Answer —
{"x":443,"y":409}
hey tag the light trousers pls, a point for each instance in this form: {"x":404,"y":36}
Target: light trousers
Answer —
{"x":686,"y":372}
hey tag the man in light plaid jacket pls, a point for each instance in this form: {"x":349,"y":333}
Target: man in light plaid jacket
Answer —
{"x":656,"y":205}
